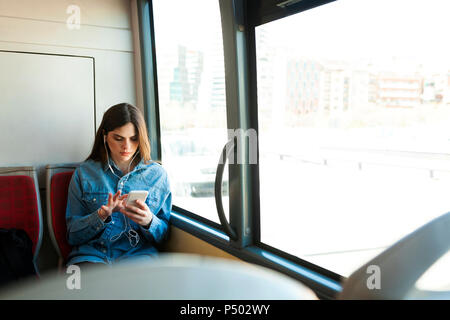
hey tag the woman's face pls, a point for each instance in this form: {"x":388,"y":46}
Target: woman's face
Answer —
{"x":123,"y":143}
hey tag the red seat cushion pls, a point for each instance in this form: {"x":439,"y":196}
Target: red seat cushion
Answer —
{"x":58,"y":196}
{"x":19,"y":206}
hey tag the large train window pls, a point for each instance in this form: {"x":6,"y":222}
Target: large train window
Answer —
{"x":354,"y":111}
{"x":191,"y":90}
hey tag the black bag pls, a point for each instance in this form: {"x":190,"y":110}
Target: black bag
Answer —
{"x":16,"y":255}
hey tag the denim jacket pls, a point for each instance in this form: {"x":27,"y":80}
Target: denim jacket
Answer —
{"x":111,"y":241}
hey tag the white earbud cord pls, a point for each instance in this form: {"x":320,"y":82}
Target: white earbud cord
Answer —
{"x":132,"y":235}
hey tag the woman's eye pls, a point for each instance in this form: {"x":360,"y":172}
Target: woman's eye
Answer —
{"x":121,"y":139}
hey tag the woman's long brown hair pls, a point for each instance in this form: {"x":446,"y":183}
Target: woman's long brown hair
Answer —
{"x":115,"y":117}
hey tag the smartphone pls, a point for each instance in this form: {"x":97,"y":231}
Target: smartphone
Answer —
{"x":136,"y":195}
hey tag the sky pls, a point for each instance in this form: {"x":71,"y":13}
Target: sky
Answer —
{"x":378,"y":29}
{"x":191,"y":23}
{"x":412,"y":30}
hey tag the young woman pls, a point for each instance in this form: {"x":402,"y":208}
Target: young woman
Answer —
{"x":101,"y":227}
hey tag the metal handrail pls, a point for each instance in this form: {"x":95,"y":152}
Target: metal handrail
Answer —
{"x":230,"y":145}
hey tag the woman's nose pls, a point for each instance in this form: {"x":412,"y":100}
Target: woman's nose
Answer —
{"x":126,"y":145}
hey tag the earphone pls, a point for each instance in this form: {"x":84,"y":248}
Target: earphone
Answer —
{"x":107,"y":157}
{"x":132,"y":235}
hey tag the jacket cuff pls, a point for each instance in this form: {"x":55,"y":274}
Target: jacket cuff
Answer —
{"x":96,"y":222}
{"x":152,"y":227}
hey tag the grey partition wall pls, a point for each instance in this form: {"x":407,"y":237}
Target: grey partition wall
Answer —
{"x":47,"y":109}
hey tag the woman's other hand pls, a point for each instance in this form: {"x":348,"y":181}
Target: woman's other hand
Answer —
{"x":115,"y":203}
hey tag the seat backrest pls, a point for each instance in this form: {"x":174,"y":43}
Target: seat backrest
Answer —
{"x":401,"y":265}
{"x":170,"y":277}
{"x":20,"y":204}
{"x":58,"y":180}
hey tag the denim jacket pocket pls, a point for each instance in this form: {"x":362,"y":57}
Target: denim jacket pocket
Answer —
{"x":94,"y":200}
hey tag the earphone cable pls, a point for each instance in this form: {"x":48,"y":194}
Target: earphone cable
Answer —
{"x":131,"y":233}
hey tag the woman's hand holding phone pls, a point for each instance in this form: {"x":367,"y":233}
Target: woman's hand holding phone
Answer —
{"x":139,"y":213}
{"x":136,"y":210}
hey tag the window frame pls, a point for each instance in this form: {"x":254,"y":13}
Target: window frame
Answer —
{"x":150,"y":78}
{"x":265,"y":11}
{"x":239,"y":19}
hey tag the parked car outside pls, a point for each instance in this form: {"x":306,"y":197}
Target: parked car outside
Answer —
{"x":191,"y":162}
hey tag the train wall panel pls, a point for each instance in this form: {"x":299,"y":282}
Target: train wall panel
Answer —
{"x":101,"y":73}
{"x":106,"y":13}
{"x":58,"y":34}
{"x":49,"y":116}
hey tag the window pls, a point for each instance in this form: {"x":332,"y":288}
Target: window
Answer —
{"x":371,"y":162}
{"x":191,"y":90}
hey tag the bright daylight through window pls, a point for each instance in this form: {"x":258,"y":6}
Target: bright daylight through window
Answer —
{"x":354,"y":120}
{"x":191,"y":89}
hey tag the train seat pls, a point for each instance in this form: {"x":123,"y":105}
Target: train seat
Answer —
{"x":172,"y":276}
{"x":20,"y":204}
{"x":58,"y":179}
{"x":402,"y":265}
